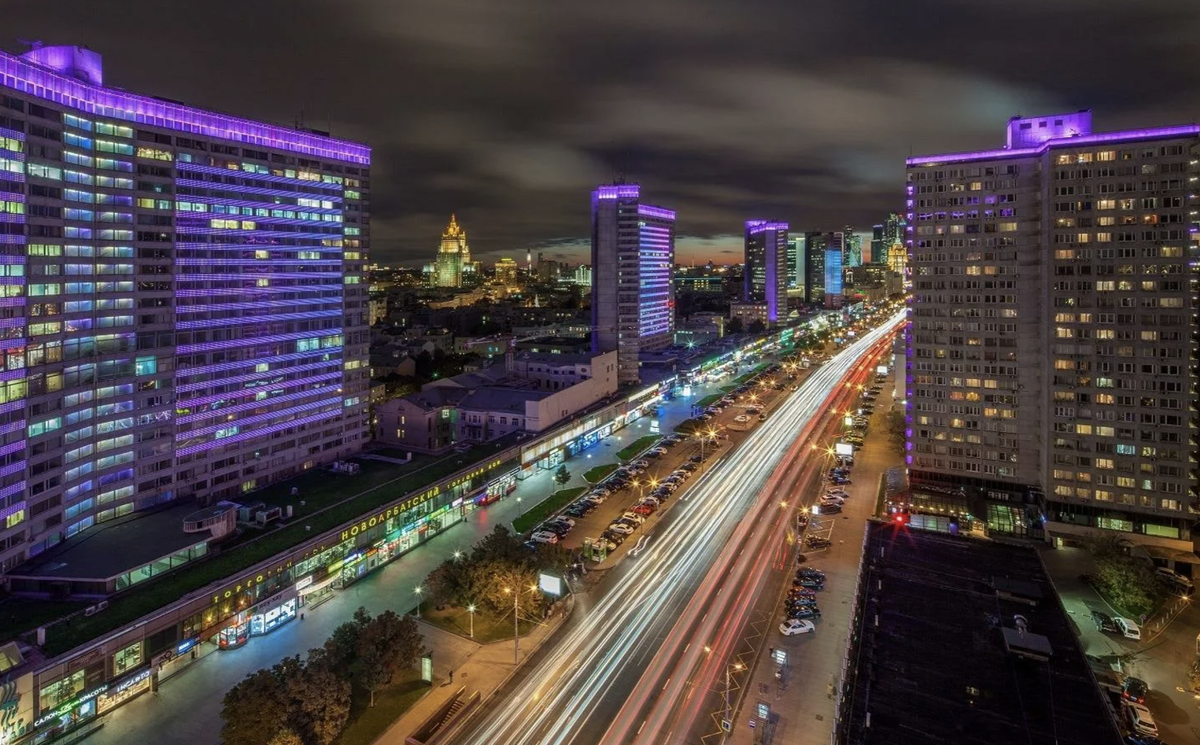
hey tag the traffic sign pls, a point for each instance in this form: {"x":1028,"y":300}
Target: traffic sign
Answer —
{"x":753,"y":722}
{"x":726,"y":725}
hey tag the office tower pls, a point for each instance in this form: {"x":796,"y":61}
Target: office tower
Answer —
{"x":1052,"y":341}
{"x":453,"y":256}
{"x":879,"y":248}
{"x":506,"y":271}
{"x":633,"y":255}
{"x":832,"y":291}
{"x":764,"y":277}
{"x":851,"y":248}
{"x":814,"y":267}
{"x":583,"y":275}
{"x":185,"y":300}
{"x":893,"y":253}
{"x":795,"y":253}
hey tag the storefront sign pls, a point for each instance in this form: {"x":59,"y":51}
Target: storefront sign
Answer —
{"x":129,"y":682}
{"x":186,"y":645}
{"x":250,"y":582}
{"x":303,"y":583}
{"x":63,"y":709}
{"x":390,"y":512}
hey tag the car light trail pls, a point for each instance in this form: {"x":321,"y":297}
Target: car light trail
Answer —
{"x":554,"y":702}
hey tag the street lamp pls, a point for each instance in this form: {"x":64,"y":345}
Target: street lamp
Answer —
{"x":471,"y":610}
{"x":516,"y":619}
{"x":729,"y":714}
{"x":418,"y":591}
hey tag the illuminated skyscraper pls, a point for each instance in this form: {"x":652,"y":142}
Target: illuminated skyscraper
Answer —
{"x":184,"y":299}
{"x":633,"y":256}
{"x":795,"y":255}
{"x":506,"y":271}
{"x":453,"y":257}
{"x":832,"y":296}
{"x":765,"y":273}
{"x":1052,"y":344}
{"x":814,"y":267}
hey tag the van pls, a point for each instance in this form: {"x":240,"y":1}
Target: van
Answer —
{"x":1128,"y":628}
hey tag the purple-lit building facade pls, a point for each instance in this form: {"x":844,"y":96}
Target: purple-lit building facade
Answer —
{"x":765,"y":277}
{"x":633,"y":256}
{"x":1052,"y":343}
{"x":184,"y":298}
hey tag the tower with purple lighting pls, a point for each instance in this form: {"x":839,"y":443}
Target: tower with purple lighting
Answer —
{"x":633,"y":257}
{"x":1052,"y":344}
{"x":185,"y":299}
{"x":765,"y":278}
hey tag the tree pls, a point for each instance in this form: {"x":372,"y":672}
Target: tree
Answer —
{"x":286,"y":736}
{"x":757,"y":326}
{"x":499,"y":545}
{"x":253,"y":711}
{"x":447,"y":583}
{"x":562,"y":475}
{"x":388,"y":643}
{"x":1127,"y":582}
{"x":734,"y":326}
{"x":342,"y":645}
{"x":318,"y":700}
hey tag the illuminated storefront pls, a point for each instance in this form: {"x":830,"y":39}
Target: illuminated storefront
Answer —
{"x":124,"y":689}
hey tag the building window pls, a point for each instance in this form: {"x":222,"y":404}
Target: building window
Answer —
{"x":61,"y":690}
{"x":127,"y":659}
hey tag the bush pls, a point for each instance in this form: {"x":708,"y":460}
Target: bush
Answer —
{"x":1127,"y":583}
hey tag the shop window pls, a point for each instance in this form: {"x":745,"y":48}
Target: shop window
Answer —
{"x":1164,"y":531}
{"x":127,"y":659}
{"x":62,"y":690}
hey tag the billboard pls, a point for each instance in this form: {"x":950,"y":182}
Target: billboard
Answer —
{"x":550,"y":584}
{"x":843,"y":448}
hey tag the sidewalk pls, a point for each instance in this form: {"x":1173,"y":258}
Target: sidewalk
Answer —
{"x":478,"y":667}
{"x":802,"y":704}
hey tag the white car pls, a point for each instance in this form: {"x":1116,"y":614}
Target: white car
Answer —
{"x":741,"y":419}
{"x":544,"y":536}
{"x":601,"y":542}
{"x":602,"y":491}
{"x":621,"y":528}
{"x":564,"y":519}
{"x":642,"y":464}
{"x":659,"y":451}
{"x":1128,"y":628}
{"x":1141,"y":720}
{"x":828,"y":499}
{"x":794,"y":626}
{"x":639,"y":519}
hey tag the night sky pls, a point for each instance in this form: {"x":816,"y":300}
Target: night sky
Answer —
{"x":509,"y":111}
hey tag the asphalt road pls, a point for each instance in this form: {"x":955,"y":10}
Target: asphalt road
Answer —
{"x":576,"y":687}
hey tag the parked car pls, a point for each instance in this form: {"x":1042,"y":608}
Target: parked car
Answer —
{"x":1175,"y":580}
{"x":812,"y":614}
{"x":689,"y":467}
{"x":1134,"y":689}
{"x":636,"y":517}
{"x":659,"y":450}
{"x":794,"y":626}
{"x":1140,"y":720}
{"x":695,"y":459}
{"x":622,"y":528}
{"x":1128,"y":628}
{"x":643,"y":509}
{"x":643,"y":464}
{"x":544,"y":536}
{"x":827,"y":509}
{"x":613,"y":537}
{"x":741,"y":419}
{"x":1104,"y":622}
{"x":810,"y":572}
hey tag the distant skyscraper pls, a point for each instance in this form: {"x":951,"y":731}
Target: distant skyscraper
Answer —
{"x":851,"y":248}
{"x":894,"y":252}
{"x":453,"y":256}
{"x":583,"y":275}
{"x":506,"y":271}
{"x":833,"y":276}
{"x":814,"y":267}
{"x":795,"y":252}
{"x":197,"y":315}
{"x":1052,"y":330}
{"x":633,"y":256}
{"x":764,"y":277}
{"x":879,"y":248}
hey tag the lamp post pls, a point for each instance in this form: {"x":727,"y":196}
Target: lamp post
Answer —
{"x":471,"y":611}
{"x":516,"y":620}
{"x":417,"y":590}
{"x":728,"y":714}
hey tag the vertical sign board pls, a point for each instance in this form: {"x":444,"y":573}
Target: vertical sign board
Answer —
{"x":427,"y":668}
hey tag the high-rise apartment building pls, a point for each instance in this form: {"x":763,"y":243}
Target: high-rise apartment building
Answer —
{"x":184,"y":295}
{"x":453,"y":257}
{"x":1052,"y":343}
{"x":814,"y":267}
{"x":633,"y":256}
{"x":764,"y":278}
{"x":506,"y":271}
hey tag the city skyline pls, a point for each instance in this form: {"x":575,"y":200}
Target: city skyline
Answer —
{"x":512,"y":118}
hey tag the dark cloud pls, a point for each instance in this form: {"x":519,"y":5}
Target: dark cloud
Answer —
{"x":509,"y":112}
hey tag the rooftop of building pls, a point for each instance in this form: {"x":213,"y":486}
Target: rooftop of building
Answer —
{"x":499,"y":398}
{"x":971,"y":646}
{"x":73,"y":76}
{"x":115,"y":547}
{"x":1031,"y":136}
{"x":556,"y":358}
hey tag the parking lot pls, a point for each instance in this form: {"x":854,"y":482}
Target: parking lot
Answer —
{"x":616,"y":513}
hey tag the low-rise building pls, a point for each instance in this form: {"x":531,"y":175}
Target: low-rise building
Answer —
{"x":748,"y":313}
{"x":539,"y":391}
